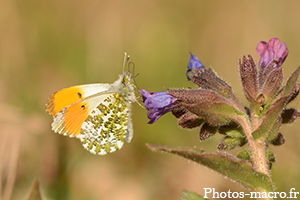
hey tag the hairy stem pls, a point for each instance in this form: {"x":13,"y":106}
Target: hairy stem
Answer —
{"x":260,"y":161}
{"x":257,"y":148}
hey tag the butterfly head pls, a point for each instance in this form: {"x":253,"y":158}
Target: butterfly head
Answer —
{"x":126,"y":78}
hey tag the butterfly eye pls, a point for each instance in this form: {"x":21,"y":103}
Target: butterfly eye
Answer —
{"x":125,"y":79}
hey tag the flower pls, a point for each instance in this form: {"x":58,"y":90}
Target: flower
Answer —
{"x":157,"y":104}
{"x":194,"y":64}
{"x":273,"y":50}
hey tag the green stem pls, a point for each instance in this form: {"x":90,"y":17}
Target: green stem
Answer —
{"x":257,"y":148}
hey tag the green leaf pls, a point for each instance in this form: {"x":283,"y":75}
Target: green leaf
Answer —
{"x":295,"y":93}
{"x":270,"y":118}
{"x":35,"y":193}
{"x":292,"y":81}
{"x":227,"y":165}
{"x":189,"y":195}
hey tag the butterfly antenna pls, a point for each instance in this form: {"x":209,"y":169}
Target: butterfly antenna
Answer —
{"x":133,"y":76}
{"x":125,"y":62}
{"x":137,"y":99}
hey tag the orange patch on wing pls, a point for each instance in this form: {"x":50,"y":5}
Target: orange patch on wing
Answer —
{"x":61,"y":99}
{"x":75,"y":115}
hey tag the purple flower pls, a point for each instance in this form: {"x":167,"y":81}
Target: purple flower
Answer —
{"x":194,"y":64}
{"x":273,"y":50}
{"x":157,"y":104}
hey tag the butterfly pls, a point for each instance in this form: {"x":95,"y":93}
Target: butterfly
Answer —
{"x":99,"y":115}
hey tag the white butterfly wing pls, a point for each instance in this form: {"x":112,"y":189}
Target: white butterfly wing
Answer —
{"x":97,"y":114}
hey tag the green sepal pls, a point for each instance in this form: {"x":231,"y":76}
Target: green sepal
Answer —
{"x":234,"y":136}
{"x":207,"y":79}
{"x":209,"y":105}
{"x":245,"y":155}
{"x":279,"y":140}
{"x":207,"y":131}
{"x":270,"y":157}
{"x":249,"y":78}
{"x":275,"y":110}
{"x":233,"y":130}
{"x":272,"y":84}
{"x":215,"y":113}
{"x":229,"y":143}
{"x":289,"y":115}
{"x":190,"y":120}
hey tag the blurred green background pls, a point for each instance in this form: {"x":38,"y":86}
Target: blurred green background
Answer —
{"x":49,"y":45}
